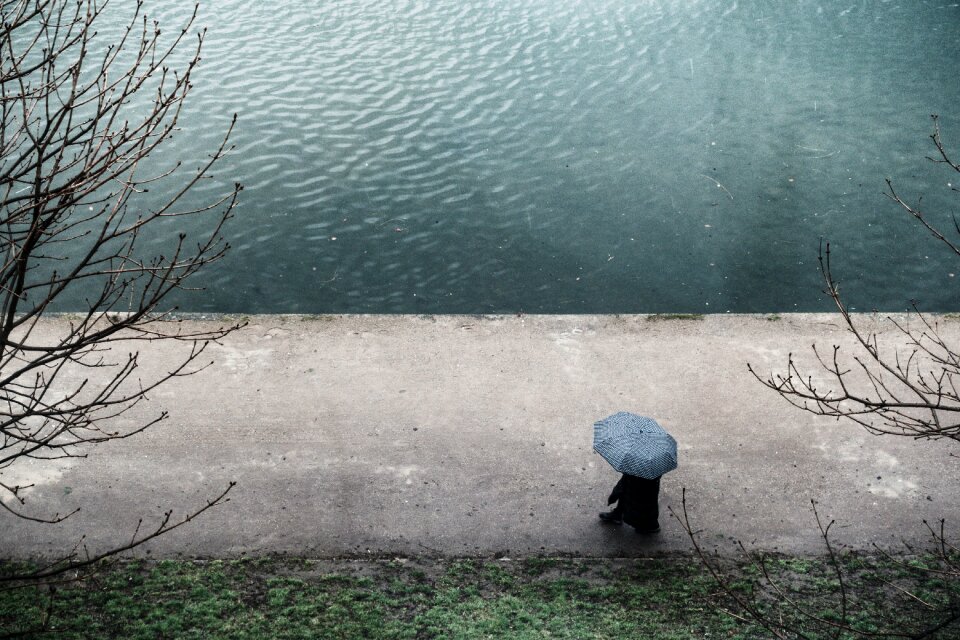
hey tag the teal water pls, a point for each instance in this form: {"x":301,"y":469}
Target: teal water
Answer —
{"x":605,"y":156}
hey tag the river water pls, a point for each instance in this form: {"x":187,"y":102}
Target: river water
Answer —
{"x":591,"y":156}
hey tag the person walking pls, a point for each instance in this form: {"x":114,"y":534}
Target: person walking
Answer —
{"x":637,"y":504}
{"x":642,"y":451}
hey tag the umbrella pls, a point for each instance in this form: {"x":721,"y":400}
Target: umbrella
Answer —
{"x":635,"y":445}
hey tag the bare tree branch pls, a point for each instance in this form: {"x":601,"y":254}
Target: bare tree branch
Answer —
{"x":79,"y":116}
{"x":786,"y":613}
{"x":909,"y":392}
{"x":906,"y":389}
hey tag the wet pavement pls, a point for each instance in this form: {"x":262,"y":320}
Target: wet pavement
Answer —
{"x":462,"y":435}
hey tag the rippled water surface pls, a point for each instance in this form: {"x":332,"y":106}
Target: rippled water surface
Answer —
{"x":481,"y":156}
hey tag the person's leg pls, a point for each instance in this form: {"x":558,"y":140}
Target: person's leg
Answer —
{"x":615,"y":515}
{"x":631,"y":501}
{"x":649,"y":506}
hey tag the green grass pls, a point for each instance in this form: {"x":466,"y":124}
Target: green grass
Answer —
{"x":661,"y":598}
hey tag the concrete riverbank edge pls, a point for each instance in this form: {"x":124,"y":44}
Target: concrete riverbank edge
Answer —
{"x":471,"y":435}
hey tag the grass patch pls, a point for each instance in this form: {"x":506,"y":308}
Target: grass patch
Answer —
{"x":660,"y":598}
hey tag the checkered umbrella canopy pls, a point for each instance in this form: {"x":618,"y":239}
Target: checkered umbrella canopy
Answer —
{"x":635,"y":445}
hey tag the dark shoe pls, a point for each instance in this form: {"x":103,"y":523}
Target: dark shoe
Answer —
{"x":649,"y":531}
{"x":611,"y":517}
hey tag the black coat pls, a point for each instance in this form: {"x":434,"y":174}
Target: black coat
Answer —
{"x":637,"y":501}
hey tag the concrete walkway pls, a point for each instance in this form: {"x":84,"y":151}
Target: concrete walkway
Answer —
{"x":458,"y":435}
